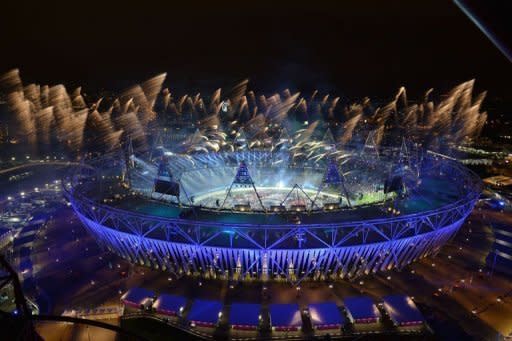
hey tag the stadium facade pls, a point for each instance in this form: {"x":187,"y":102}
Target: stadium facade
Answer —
{"x":295,"y":240}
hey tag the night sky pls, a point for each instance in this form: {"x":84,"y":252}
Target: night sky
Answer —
{"x":351,"y":48}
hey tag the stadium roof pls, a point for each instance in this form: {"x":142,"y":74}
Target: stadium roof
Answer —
{"x":169,"y":304}
{"x":324,"y":314}
{"x":137,"y":295}
{"x":402,"y":310}
{"x":361,"y":308}
{"x":244,"y":314}
{"x":205,"y":311}
{"x":285,"y":315}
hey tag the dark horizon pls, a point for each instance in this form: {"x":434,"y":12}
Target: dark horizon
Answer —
{"x":355,"y":49}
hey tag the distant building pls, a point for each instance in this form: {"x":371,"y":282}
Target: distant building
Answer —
{"x":501,"y":257}
{"x":5,"y":237}
{"x":498,"y":181}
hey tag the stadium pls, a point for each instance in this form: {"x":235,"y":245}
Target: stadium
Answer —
{"x":265,"y":214}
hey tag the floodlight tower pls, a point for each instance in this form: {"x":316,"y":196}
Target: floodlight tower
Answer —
{"x":333,"y":179}
{"x":242,"y":179}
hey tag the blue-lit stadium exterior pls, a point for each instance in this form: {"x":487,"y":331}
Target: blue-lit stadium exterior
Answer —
{"x":223,"y":246}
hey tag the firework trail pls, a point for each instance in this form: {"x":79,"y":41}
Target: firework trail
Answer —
{"x":50,"y":114}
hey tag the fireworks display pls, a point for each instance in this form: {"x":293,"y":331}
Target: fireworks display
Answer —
{"x":45,"y":115}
